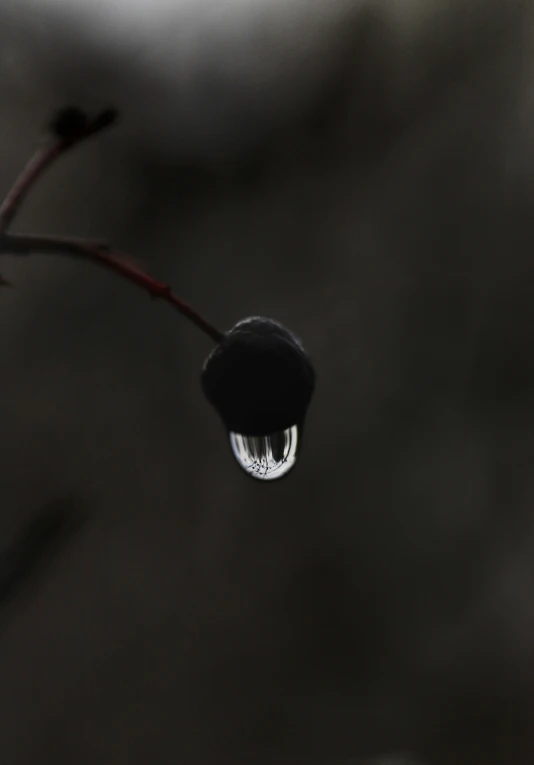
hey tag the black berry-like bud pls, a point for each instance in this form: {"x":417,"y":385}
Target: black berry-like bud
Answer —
{"x":68,"y":123}
{"x":259,"y":378}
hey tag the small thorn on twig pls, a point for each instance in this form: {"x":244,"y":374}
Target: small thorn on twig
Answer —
{"x":161,"y":291}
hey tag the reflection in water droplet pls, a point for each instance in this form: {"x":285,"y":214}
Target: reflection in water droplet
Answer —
{"x":266,"y":457}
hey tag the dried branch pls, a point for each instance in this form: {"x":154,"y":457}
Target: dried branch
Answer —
{"x":31,"y":173}
{"x":99,"y":253}
{"x":70,"y":127}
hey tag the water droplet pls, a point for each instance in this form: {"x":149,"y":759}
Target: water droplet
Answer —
{"x":266,"y":457}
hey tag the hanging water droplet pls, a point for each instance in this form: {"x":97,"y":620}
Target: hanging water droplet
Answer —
{"x":260,"y":380}
{"x":266,"y":457}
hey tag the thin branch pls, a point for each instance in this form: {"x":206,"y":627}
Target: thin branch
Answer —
{"x":26,"y":180}
{"x":99,"y":253}
{"x":70,"y":127}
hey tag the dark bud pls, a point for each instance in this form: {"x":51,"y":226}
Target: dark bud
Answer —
{"x":259,"y":378}
{"x":69,"y":123}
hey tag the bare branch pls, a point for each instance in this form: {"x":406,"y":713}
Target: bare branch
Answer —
{"x":70,"y":127}
{"x":99,"y":253}
{"x":25,"y":182}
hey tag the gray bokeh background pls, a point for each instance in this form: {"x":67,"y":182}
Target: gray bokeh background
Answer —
{"x":361,"y":171}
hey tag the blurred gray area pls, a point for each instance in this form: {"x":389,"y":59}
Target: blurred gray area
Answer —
{"x":362,"y":172}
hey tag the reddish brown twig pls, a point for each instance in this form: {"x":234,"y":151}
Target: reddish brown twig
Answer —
{"x":70,"y":127}
{"x":25,"y":182}
{"x":99,"y":253}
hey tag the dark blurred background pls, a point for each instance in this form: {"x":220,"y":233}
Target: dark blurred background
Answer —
{"x":362,"y":172}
